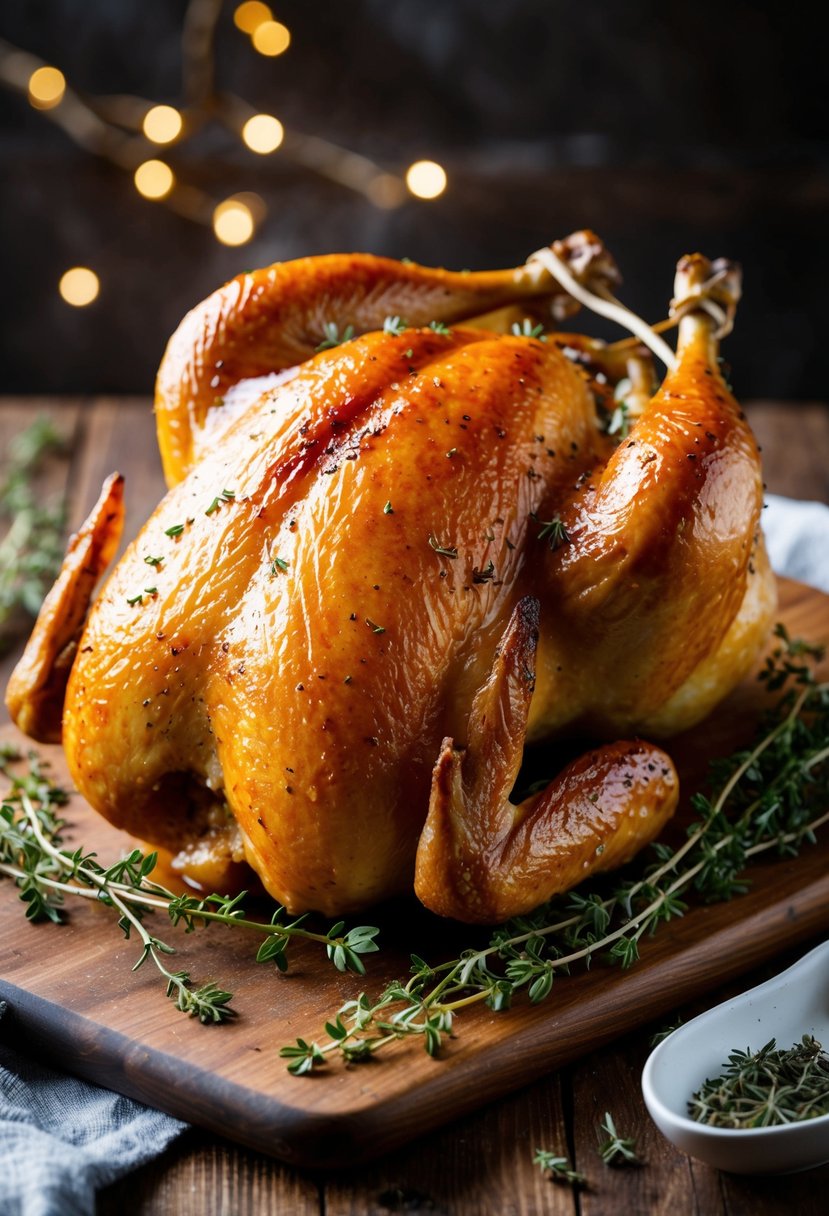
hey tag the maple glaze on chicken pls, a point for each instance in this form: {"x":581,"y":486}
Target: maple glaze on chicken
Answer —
{"x":381,"y":568}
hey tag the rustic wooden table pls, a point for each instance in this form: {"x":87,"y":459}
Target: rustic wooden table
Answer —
{"x":483,"y":1163}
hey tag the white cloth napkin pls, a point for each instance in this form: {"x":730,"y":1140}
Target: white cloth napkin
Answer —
{"x":62,"y":1139}
{"x":797,"y":535}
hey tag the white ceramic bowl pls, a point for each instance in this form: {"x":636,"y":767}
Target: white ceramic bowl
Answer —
{"x":794,"y":1003}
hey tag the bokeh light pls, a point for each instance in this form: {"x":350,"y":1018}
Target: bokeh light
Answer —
{"x":271,"y":38}
{"x":250,"y":15}
{"x":263,"y":133}
{"x":162,"y":124}
{"x":426,"y":179}
{"x":154,"y":179}
{"x":233,"y":222}
{"x":79,"y":286}
{"x":46,"y":88}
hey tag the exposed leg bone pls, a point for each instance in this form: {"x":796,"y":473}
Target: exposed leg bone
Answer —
{"x":37,"y":687}
{"x":659,"y":553}
{"x":483,"y":859}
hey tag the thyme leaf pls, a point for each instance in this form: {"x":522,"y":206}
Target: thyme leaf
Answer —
{"x":615,"y":1150}
{"x":559,"y":1168}
{"x":443,"y":550}
{"x":332,"y":336}
{"x":554,"y":532}
{"x":32,"y":548}
{"x":526,"y":329}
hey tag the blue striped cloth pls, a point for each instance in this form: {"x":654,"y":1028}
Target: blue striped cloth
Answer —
{"x":61,"y":1140}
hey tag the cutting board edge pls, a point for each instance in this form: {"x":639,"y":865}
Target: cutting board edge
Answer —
{"x":308,"y":1137}
{"x":110,"y":1059}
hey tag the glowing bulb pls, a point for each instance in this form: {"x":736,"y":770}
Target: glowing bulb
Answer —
{"x":162,"y":124}
{"x":154,"y":179}
{"x":426,"y":179}
{"x":271,"y":38}
{"x":263,"y":133}
{"x":46,"y":88}
{"x":251,"y":14}
{"x":233,"y":222}
{"x":79,"y":286}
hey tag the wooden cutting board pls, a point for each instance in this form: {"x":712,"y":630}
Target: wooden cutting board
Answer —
{"x":74,"y":999}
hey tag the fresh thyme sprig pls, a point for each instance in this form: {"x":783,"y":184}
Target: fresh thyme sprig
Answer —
{"x":559,"y":1168}
{"x":333,"y":337}
{"x":616,"y":1150}
{"x":664,"y":1032}
{"x":768,"y":798}
{"x":553,"y":531}
{"x":30,"y":836}
{"x":766,"y":1088}
{"x":526,"y":329}
{"x":31,"y":550}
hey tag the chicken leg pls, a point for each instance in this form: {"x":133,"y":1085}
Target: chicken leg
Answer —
{"x":482,"y":858}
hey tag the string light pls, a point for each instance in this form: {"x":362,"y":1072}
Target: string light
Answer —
{"x":263,"y":133}
{"x":162,"y":124}
{"x":154,"y":179}
{"x":47,"y":86}
{"x":79,"y":286}
{"x":386,"y":191}
{"x":426,"y":179}
{"x":233,"y":222}
{"x":250,"y":15}
{"x":271,"y":38}
{"x":108,"y":126}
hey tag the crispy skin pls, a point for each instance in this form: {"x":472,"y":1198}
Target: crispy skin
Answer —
{"x":268,"y":320}
{"x":362,"y":585}
{"x":236,"y":664}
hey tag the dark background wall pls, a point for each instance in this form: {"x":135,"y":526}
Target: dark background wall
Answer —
{"x":666,"y":127}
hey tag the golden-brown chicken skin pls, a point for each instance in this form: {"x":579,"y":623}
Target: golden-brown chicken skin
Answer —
{"x":356,"y":616}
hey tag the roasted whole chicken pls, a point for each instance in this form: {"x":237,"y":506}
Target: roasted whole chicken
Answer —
{"x":410,"y":528}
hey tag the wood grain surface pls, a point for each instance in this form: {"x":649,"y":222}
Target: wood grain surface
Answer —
{"x":483,"y":1163}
